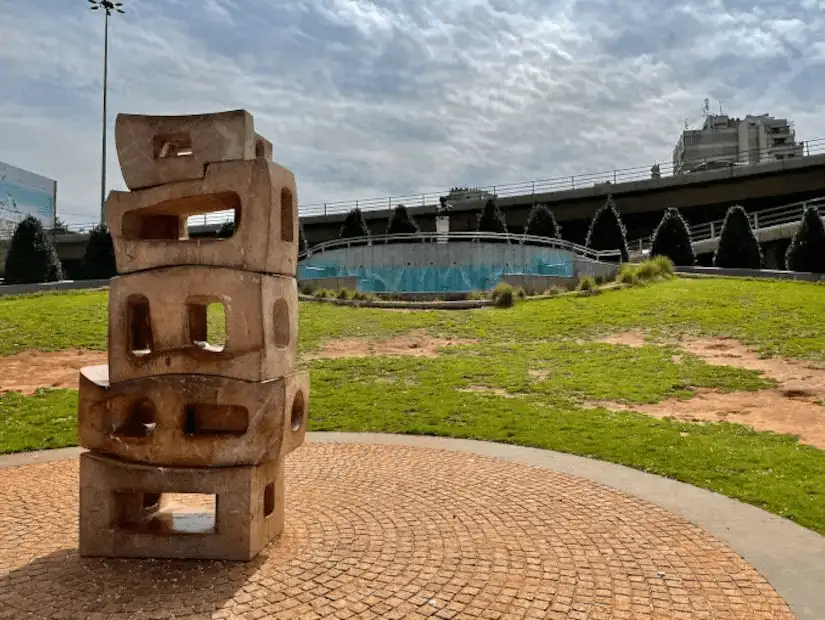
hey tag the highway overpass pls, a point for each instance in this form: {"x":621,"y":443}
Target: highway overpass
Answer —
{"x":701,"y":197}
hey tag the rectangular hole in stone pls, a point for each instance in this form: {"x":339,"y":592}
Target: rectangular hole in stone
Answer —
{"x":203,"y":419}
{"x":139,"y":323}
{"x":167,"y":513}
{"x":183,"y":218}
{"x":207,"y":325}
{"x":287,"y":216}
{"x":269,"y":499}
{"x":169,"y":146}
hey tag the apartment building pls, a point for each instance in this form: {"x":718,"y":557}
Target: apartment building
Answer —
{"x":725,"y":141}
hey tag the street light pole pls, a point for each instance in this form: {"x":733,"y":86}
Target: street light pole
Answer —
{"x":105,"y":115}
{"x":108,"y":7}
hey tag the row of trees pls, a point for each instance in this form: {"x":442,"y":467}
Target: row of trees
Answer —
{"x":606,"y":230}
{"x":738,"y":246}
{"x":32,"y":256}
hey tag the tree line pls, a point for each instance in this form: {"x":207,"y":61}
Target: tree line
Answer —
{"x":32,"y":256}
{"x":738,"y":246}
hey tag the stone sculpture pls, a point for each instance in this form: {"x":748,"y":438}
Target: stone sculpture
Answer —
{"x":172,"y":413}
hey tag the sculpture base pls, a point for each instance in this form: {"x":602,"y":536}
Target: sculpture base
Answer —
{"x":131,"y":510}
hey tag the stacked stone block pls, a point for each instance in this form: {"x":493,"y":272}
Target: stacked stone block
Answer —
{"x":172,"y":413}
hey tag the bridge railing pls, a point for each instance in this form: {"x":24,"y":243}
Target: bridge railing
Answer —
{"x":477,"y":237}
{"x":775,"y":216}
{"x":501,"y":190}
{"x":528,"y":188}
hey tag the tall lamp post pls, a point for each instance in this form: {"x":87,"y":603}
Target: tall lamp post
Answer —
{"x":109,"y":7}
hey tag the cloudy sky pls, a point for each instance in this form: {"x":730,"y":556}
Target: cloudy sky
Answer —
{"x":366,"y":98}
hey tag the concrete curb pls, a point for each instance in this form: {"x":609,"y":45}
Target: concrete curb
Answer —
{"x":48,"y":287}
{"x":789,"y":556}
{"x":467,"y":304}
{"x":770,"y":274}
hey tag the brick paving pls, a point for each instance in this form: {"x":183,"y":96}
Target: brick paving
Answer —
{"x":392,"y":532}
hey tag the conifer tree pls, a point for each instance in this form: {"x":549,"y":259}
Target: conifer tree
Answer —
{"x":807,"y":249}
{"x":32,"y":256}
{"x":672,"y":239}
{"x":99,"y":257}
{"x":738,"y":247}
{"x":402,"y":222}
{"x":354,"y":225}
{"x":607,"y":232}
{"x":542,"y":223}
{"x":491,"y":219}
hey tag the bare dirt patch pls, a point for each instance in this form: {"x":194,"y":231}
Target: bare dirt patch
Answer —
{"x":414,"y":344}
{"x":794,"y":407}
{"x":29,"y":370}
{"x":634,"y":338}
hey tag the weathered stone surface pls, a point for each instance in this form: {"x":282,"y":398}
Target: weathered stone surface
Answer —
{"x":158,"y":326}
{"x":149,"y":228}
{"x":263,"y":147}
{"x":126,"y":511}
{"x":192,"y":420}
{"x":154,"y":150}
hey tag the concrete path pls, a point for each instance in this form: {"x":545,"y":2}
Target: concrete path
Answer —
{"x":790,"y":557}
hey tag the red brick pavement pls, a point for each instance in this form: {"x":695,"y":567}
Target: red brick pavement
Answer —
{"x":392,"y":532}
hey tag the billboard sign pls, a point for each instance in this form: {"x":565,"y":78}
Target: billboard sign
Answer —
{"x":24,"y":193}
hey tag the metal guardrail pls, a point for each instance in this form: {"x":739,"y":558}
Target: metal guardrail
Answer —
{"x":523,"y":188}
{"x":775,"y":216}
{"x":477,"y":237}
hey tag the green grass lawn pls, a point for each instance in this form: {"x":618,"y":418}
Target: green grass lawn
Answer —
{"x":541,"y":359}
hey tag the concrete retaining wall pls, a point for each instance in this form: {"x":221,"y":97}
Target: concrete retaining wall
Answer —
{"x":584,"y":267}
{"x":332,"y":284}
{"x":442,"y":255}
{"x":538,"y":284}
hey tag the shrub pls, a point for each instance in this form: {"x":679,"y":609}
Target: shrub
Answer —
{"x":306,"y":289}
{"x":807,"y":249}
{"x":607,"y":231}
{"x":490,"y":219}
{"x":672,"y":239}
{"x":588,"y":285}
{"x":354,"y":225}
{"x":99,"y":257}
{"x":361,"y":296}
{"x":503,"y":295}
{"x":646,"y":271}
{"x":738,"y":247}
{"x":664,"y":264}
{"x":32,"y":257}
{"x":402,"y":222}
{"x":344,"y":294}
{"x":323,"y":293}
{"x":628,"y":274}
{"x":542,"y":223}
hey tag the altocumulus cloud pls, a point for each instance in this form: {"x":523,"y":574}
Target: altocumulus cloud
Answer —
{"x":368,"y":98}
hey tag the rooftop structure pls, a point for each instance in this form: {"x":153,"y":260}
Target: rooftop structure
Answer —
{"x":726,"y":141}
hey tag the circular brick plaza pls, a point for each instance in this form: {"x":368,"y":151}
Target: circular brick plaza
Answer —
{"x":377,"y":531}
